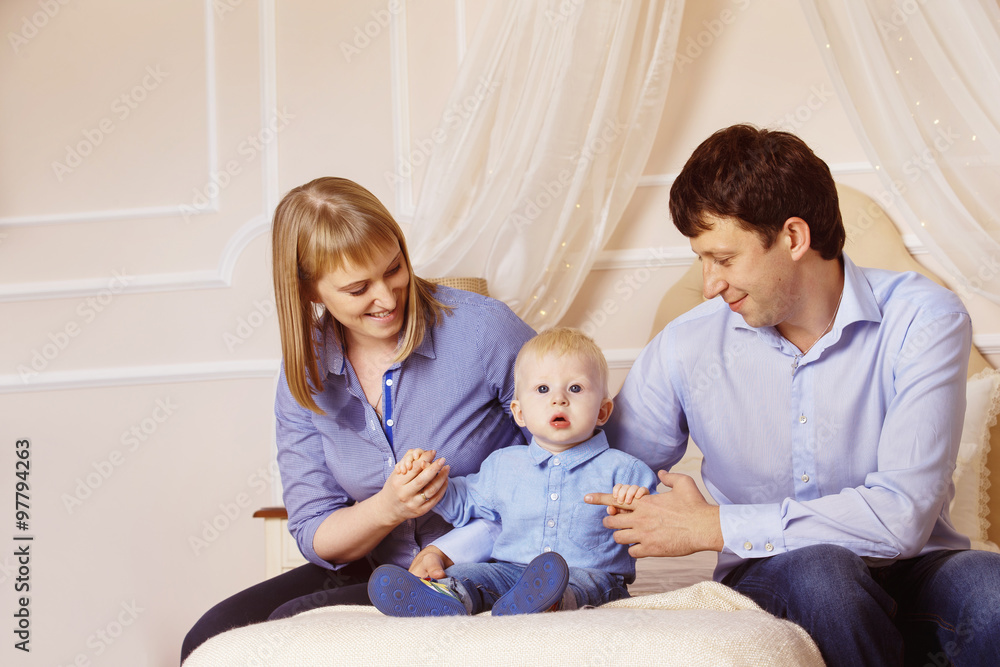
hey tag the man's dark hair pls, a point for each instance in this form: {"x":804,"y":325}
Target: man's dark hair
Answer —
{"x":760,"y":178}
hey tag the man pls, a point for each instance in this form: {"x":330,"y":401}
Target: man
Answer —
{"x":828,"y":401}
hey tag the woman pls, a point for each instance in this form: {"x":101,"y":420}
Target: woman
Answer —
{"x":376,"y":361}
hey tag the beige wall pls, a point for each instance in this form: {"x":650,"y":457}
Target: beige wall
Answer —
{"x":143,"y":147}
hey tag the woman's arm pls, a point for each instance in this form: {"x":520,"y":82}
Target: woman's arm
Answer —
{"x":328,"y":525}
{"x":350,"y":533}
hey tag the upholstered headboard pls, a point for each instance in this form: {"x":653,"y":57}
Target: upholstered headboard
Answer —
{"x":872,"y":240}
{"x":477,"y":285}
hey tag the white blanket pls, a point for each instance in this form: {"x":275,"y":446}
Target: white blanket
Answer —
{"x":705,"y":624}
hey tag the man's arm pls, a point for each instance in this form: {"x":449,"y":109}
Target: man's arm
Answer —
{"x":676,"y":523}
{"x":894,"y":511}
{"x":888,"y":511}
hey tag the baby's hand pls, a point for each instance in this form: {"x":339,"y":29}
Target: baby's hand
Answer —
{"x":413,"y":458}
{"x":627,"y":493}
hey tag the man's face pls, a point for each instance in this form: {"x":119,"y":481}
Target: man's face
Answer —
{"x":756,"y":282}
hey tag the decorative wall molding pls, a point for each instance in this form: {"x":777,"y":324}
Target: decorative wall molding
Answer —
{"x":461,"y":39}
{"x":400,"y":81}
{"x":211,"y":106}
{"x":681,"y":255}
{"x":622,"y":358}
{"x":634,"y":258}
{"x":987,"y":344}
{"x":399,"y":77}
{"x":268,"y":102}
{"x":91,"y":378}
{"x":110,"y":214}
{"x":836,"y":168}
{"x":221,"y":276}
{"x":618,"y":359}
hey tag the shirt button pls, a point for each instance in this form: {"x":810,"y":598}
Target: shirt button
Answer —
{"x":388,"y":382}
{"x":388,"y":422}
{"x":551,"y":523}
{"x":554,"y":496}
{"x":768,"y":547}
{"x":802,"y":419}
{"x":805,"y":477}
{"x":748,"y":546}
{"x":555,"y":462}
{"x":372,"y":424}
{"x":547,"y":549}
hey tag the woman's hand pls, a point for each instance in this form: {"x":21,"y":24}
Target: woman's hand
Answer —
{"x":349,"y":533}
{"x":413,"y":493}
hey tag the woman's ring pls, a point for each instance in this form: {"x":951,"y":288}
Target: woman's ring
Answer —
{"x":425,"y":496}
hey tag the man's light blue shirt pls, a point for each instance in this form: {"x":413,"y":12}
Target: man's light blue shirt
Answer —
{"x":856,"y":446}
{"x":538,"y":498}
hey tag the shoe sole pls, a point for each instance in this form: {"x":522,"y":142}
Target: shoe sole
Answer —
{"x":541,"y":585}
{"x":396,"y":592}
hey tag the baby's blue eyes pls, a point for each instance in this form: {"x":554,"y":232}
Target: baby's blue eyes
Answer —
{"x":544,"y":388}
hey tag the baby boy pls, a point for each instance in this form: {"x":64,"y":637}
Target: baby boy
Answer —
{"x":553,"y":551}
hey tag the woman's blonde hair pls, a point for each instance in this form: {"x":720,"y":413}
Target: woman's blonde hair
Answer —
{"x":562,"y":341}
{"x":320,"y":227}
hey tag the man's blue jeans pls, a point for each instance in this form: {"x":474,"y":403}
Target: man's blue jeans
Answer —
{"x":487,"y":582}
{"x":936,"y":609}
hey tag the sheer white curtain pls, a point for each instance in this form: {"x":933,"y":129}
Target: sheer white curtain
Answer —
{"x":542,"y":143}
{"x":921,"y":80}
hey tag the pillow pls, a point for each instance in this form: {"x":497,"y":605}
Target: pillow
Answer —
{"x":969,"y":506}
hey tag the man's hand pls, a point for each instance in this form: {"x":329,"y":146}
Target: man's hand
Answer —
{"x":430,"y":562}
{"x":677,"y":523}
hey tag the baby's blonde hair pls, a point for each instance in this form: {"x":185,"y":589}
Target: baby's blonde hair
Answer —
{"x":563,"y":341}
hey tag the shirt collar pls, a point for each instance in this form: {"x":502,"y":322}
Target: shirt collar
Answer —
{"x":573,"y":456}
{"x":335,"y":362}
{"x":857,"y":304}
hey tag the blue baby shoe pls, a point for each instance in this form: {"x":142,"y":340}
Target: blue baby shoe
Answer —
{"x":541,"y":585}
{"x":396,"y":592}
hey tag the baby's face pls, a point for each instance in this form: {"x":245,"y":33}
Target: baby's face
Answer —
{"x":560,"y":399}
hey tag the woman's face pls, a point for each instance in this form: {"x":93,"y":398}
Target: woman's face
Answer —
{"x":369,"y":301}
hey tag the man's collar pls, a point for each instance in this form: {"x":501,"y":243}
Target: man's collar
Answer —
{"x":857,"y":304}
